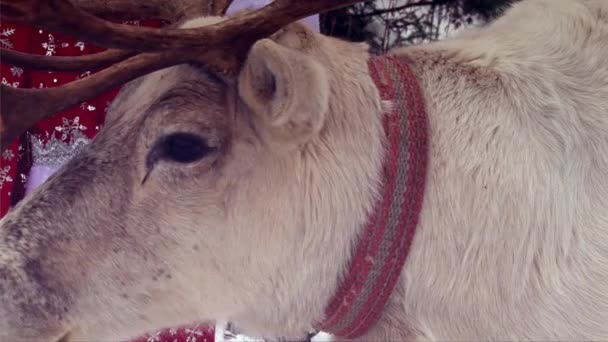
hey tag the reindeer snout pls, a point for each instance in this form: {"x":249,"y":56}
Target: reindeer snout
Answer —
{"x":29,"y":310}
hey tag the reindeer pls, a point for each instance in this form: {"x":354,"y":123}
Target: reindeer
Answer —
{"x":456,"y":190}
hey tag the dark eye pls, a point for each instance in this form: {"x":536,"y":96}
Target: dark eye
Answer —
{"x":179,"y":147}
{"x":184,"y":147}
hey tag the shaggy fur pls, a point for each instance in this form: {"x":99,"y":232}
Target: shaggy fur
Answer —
{"x":513,"y":238}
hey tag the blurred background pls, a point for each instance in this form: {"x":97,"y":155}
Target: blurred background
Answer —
{"x":386,"y":24}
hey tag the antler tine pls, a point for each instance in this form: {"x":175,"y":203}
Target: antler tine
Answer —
{"x":20,"y":109}
{"x":172,"y":11}
{"x":53,"y":63}
{"x":161,"y":9}
{"x":62,"y":16}
{"x":220,"y":7}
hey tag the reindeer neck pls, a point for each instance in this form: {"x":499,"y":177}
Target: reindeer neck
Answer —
{"x":384,"y":243}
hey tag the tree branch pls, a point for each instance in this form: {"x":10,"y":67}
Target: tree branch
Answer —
{"x":402,"y":7}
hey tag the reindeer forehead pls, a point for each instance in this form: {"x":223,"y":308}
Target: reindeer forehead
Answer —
{"x":183,"y":94}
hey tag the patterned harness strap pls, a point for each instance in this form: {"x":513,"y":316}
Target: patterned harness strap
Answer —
{"x":384,"y":243}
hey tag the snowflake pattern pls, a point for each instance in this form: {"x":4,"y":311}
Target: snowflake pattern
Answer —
{"x":7,"y":83}
{"x":80,"y":45}
{"x":70,"y":127}
{"x":83,"y":75}
{"x":16,"y":71}
{"x":51,"y":45}
{"x":8,"y":155}
{"x":4,"y":38}
{"x":4,"y":176}
{"x":88,"y":107}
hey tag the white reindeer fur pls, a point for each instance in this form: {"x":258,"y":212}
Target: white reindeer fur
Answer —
{"x":513,"y":239}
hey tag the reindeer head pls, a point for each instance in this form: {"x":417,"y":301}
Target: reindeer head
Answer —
{"x":219,"y":185}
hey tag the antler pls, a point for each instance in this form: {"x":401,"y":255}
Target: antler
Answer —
{"x":220,"y":7}
{"x":222,"y":46}
{"x":172,"y":11}
{"x":52,"y":63}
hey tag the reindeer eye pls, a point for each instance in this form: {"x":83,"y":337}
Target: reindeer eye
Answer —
{"x":184,"y":147}
{"x":179,"y":147}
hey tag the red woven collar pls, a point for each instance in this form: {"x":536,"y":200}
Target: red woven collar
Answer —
{"x":384,"y":244}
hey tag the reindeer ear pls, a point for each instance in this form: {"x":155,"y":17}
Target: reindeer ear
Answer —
{"x":287,"y":90}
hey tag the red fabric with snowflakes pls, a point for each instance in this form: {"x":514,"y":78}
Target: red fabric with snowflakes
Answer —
{"x":87,"y":118}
